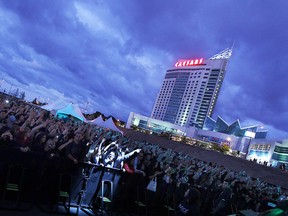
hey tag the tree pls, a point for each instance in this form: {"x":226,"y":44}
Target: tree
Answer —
{"x":221,"y":148}
{"x":134,"y":127}
{"x":22,"y":95}
{"x":35,"y":101}
{"x":225,"y":148}
{"x":16,"y":93}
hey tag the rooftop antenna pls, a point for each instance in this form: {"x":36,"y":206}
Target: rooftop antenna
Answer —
{"x":232,"y":47}
{"x":225,"y":54}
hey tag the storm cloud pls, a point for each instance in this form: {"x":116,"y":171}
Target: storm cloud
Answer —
{"x":115,"y":55}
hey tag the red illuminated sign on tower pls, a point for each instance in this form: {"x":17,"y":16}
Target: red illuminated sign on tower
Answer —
{"x":185,"y":63}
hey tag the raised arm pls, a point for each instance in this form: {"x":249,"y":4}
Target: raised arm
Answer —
{"x":60,"y":148}
{"x":131,"y":153}
{"x":42,"y":125}
{"x":24,"y":125}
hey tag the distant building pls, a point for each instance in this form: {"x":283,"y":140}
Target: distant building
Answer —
{"x":190,"y":90}
{"x":280,"y":153}
{"x":275,"y":152}
{"x":157,"y":126}
{"x":239,"y":143}
{"x":219,"y":125}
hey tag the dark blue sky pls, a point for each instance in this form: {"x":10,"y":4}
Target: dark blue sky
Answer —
{"x":114,"y":55}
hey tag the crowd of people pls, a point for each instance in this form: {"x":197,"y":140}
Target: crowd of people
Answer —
{"x":188,"y":185}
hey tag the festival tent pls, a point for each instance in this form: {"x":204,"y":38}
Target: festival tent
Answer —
{"x":98,"y":121}
{"x":60,"y":104}
{"x":110,"y":124}
{"x":71,"y":110}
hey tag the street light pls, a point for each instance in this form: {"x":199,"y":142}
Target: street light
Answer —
{"x":87,"y":103}
{"x":2,"y":81}
{"x":10,"y":89}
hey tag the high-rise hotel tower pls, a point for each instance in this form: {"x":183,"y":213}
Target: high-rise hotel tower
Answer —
{"x":190,"y":90}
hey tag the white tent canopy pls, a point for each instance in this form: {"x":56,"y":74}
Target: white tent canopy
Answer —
{"x":73,"y":110}
{"x":110,"y":124}
{"x":106,"y":124}
{"x":98,"y":121}
{"x":60,"y":104}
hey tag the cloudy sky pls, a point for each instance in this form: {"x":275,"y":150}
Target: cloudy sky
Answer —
{"x":111,"y":56}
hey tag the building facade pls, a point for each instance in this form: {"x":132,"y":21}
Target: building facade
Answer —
{"x":239,"y":143}
{"x":190,"y":90}
{"x":280,"y":153}
{"x":158,"y":126}
{"x":219,"y":125}
{"x":274,"y":152}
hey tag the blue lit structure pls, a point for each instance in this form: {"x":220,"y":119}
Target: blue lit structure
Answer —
{"x":280,"y":153}
{"x":219,"y":125}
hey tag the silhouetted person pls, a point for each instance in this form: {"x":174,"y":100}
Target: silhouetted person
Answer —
{"x":190,"y":205}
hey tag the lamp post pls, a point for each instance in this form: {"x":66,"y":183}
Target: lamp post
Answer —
{"x":86,"y":107}
{"x":10,"y":89}
{"x":2,"y":81}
